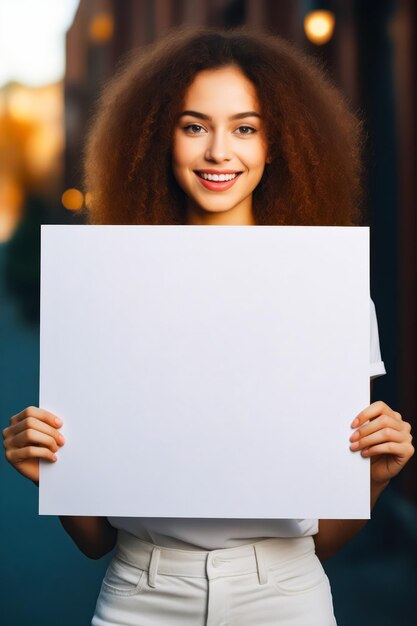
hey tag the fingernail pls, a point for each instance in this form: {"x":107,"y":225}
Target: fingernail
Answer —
{"x":355,"y":445}
{"x":58,"y":421}
{"x":354,"y":437}
{"x":54,"y":458}
{"x":355,"y":422}
{"x":61,"y":439}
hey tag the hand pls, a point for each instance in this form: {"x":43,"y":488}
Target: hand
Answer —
{"x":383,"y":436}
{"x":32,"y":435}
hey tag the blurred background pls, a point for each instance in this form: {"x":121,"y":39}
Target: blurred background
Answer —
{"x":54,"y":56}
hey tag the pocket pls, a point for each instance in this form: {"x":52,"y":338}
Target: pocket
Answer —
{"x":299,"y":575}
{"x":122,"y":578}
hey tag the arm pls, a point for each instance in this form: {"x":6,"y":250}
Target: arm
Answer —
{"x":33,"y":434}
{"x":94,"y":536}
{"x":334,"y":533}
{"x":386,"y":439}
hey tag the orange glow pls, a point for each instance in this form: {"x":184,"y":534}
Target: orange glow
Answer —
{"x":31,"y":133}
{"x":101,"y":28}
{"x":88,"y":199}
{"x":319,"y":26}
{"x":42,"y":150}
{"x":72,"y":199}
{"x":11,"y":205}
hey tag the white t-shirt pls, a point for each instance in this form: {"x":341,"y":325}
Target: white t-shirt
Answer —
{"x":212,"y":534}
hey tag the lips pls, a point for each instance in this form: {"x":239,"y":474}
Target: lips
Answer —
{"x":217,"y":185}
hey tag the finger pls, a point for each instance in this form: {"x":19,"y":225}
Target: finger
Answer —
{"x":31,"y":437}
{"x":17,"y":455}
{"x":372,"y":411}
{"x":35,"y":424}
{"x":381,"y":436}
{"x":383,"y":421}
{"x":41,"y":414}
{"x":400,"y":450}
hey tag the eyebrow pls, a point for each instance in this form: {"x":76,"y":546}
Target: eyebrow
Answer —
{"x":236,"y":116}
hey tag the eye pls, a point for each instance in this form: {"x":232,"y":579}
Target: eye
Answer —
{"x":194,"y":129}
{"x":245,"y":130}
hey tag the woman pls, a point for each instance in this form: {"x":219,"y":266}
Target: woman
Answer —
{"x":227,"y":128}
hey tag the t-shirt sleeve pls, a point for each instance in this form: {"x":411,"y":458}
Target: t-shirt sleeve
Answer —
{"x":377,"y":364}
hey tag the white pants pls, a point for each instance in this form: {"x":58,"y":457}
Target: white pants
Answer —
{"x":270,"y":582}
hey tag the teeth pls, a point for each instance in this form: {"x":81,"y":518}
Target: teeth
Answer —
{"x":217,"y":177}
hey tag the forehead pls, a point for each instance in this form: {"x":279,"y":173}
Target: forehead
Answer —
{"x":220,"y":90}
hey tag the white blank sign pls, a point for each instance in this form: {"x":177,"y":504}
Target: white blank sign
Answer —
{"x":205,"y":371}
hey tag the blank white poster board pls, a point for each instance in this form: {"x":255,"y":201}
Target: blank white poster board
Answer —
{"x":205,"y":371}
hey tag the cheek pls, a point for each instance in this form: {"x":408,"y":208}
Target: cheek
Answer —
{"x":257,"y":165}
{"x":255,"y":156}
{"x":177,"y":151}
{"x":181,"y":162}
{"x":176,"y":162}
{"x":183,"y":152}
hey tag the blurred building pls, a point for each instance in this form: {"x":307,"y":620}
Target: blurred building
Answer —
{"x":104,"y":30}
{"x":371,"y":57}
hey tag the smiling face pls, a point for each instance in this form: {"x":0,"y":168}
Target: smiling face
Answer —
{"x":219,"y":147}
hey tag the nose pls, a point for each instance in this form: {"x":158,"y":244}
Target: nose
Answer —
{"x":218,"y":148}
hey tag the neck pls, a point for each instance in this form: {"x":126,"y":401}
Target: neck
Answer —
{"x":241,"y":216}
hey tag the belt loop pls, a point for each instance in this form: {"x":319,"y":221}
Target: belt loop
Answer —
{"x":262,"y":572}
{"x":153,"y":567}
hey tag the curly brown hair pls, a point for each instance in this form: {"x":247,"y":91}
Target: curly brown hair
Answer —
{"x":314,"y":140}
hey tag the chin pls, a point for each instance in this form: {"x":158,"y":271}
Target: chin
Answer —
{"x":205,"y":208}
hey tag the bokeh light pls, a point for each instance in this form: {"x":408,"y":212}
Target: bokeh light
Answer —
{"x":101,"y":28}
{"x":319,"y":26}
{"x":87,"y":199}
{"x":72,"y":199}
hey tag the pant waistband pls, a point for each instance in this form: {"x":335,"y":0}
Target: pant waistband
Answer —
{"x":246,"y":559}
